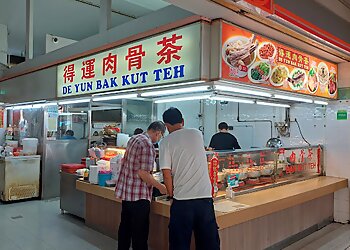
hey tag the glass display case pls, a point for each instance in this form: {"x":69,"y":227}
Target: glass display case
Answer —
{"x":244,"y":171}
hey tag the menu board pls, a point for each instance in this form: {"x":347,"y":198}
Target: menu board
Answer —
{"x":250,"y":58}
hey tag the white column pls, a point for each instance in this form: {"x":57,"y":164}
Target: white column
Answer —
{"x":105,"y":15}
{"x":29,"y":29}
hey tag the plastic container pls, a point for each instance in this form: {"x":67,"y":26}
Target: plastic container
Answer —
{"x":10,"y":143}
{"x":103,"y":165}
{"x":71,"y":167}
{"x":30,"y":146}
{"x":93,"y":174}
{"x":103,"y":177}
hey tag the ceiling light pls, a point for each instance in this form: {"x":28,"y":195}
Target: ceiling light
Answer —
{"x":242,"y":91}
{"x":114,"y":97}
{"x":32,"y":106}
{"x":51,"y":104}
{"x":179,"y":99}
{"x":25,"y":107}
{"x":175,"y":91}
{"x":74,"y":101}
{"x":231,"y":99}
{"x":321,"y":102}
{"x":293,"y":98}
{"x":273,"y":104}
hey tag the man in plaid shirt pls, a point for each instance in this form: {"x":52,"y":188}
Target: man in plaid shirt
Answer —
{"x":134,"y":187}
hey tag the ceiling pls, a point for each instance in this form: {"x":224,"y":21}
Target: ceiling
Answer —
{"x":73,"y":19}
{"x":79,"y":19}
{"x":341,"y":8}
{"x":332,"y":16}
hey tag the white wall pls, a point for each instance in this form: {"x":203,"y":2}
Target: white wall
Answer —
{"x":252,"y":134}
{"x":56,"y":42}
{"x":344,"y":75}
{"x":3,"y":44}
{"x":337,"y":156}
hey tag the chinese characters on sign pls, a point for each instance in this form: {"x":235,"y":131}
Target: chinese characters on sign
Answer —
{"x":303,"y":161}
{"x":162,"y":59}
{"x":289,"y":57}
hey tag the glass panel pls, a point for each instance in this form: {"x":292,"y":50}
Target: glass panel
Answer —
{"x":257,"y":169}
{"x":67,"y":122}
{"x":138,"y":115}
{"x":106,"y":119}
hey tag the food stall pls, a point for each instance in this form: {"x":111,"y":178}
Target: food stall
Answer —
{"x":260,"y":91}
{"x":254,"y":86}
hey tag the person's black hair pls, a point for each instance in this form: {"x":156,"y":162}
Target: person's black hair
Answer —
{"x":223,"y":125}
{"x":138,"y":131}
{"x":157,"y":126}
{"x":70,"y":132}
{"x":172,"y":116}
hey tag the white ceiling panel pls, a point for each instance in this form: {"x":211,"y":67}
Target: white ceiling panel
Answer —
{"x":66,"y":18}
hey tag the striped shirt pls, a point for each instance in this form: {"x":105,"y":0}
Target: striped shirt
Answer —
{"x":139,"y":154}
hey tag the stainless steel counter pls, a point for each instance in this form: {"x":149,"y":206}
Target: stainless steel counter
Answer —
{"x":72,"y":200}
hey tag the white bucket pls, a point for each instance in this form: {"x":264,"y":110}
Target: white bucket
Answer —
{"x":30,"y":146}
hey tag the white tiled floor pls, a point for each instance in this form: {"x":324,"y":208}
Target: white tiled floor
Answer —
{"x":332,"y":237}
{"x":39,"y":225}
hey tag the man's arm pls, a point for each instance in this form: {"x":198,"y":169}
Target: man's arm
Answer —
{"x":168,"y":181}
{"x":147,"y":156}
{"x":149,"y":179}
{"x":165,"y":164}
{"x":212,"y":144}
{"x":235,"y":143}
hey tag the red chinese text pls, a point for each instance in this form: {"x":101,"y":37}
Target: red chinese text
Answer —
{"x":302,"y":155}
{"x":88,"y":69}
{"x":310,"y":153}
{"x":109,"y":64}
{"x":69,"y":73}
{"x":292,"y":157}
{"x":169,"y":49}
{"x":134,"y":57}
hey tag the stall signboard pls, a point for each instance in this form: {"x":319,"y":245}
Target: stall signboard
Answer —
{"x":250,"y":58}
{"x":174,"y":56}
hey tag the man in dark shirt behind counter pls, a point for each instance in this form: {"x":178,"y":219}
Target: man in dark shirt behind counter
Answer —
{"x":224,"y":140}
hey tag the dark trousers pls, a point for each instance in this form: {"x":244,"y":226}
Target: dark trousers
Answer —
{"x":197,"y":215}
{"x":134,"y":225}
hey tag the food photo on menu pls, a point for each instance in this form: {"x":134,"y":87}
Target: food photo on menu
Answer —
{"x":251,"y":58}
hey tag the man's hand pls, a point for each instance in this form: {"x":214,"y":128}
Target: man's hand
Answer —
{"x":149,"y":179}
{"x":162,"y":189}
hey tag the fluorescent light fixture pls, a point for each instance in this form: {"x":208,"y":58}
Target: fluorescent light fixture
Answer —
{"x":114,"y":97}
{"x":293,"y":98}
{"x":179,"y":99}
{"x":68,"y":114}
{"x":242,"y":91}
{"x":231,"y":99}
{"x":321,"y":102}
{"x":273,"y":104}
{"x":74,"y":101}
{"x":51,"y":104}
{"x":25,"y":107}
{"x":175,"y":91}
